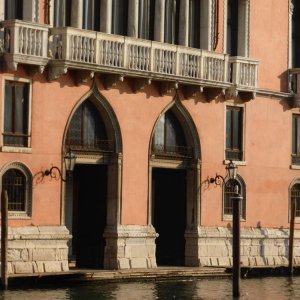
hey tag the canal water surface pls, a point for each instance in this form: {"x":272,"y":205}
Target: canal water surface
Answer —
{"x":275,"y":288}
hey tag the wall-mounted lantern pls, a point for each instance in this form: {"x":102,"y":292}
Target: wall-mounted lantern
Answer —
{"x":55,"y":173}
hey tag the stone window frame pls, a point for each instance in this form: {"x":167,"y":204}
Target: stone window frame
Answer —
{"x":243,"y":28}
{"x":243,"y":193}
{"x":30,"y":10}
{"x":27,"y":214}
{"x":243,"y":161}
{"x":26,"y":149}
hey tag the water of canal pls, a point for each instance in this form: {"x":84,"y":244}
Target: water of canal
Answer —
{"x":275,"y":288}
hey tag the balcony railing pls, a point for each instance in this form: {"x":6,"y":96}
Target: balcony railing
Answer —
{"x":97,"y":51}
{"x":93,"y":145}
{"x":243,"y":73}
{"x":26,"y":43}
{"x":30,"y":43}
{"x":172,"y":151}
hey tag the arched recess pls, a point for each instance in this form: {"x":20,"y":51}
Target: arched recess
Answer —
{"x":93,"y":134}
{"x":294,"y":194}
{"x":179,"y":152}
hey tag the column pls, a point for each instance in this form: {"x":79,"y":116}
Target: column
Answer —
{"x":205,"y":24}
{"x":76,"y":13}
{"x":105,"y":16}
{"x":2,"y":10}
{"x":183,"y":38}
{"x":243,"y":28}
{"x":133,"y":18}
{"x":159,"y":20}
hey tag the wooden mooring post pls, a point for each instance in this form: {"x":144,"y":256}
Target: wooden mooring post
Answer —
{"x":291,"y":242}
{"x":4,"y":239}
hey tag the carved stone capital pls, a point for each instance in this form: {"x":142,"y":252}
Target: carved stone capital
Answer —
{"x":231,"y":93}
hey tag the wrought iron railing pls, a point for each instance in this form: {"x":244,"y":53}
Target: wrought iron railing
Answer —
{"x":295,"y":159}
{"x":94,"y":145}
{"x":234,"y":154}
{"x":172,"y":151}
{"x":15,"y":139}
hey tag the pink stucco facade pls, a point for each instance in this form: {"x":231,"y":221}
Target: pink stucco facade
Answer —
{"x":266,"y":167}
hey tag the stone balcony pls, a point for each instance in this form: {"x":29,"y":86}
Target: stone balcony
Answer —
{"x":25,"y":43}
{"x":87,"y":52}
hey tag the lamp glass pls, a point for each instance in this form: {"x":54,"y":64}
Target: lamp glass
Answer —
{"x":70,"y":159}
{"x":232,"y":170}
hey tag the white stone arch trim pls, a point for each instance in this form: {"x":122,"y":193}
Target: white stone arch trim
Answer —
{"x":27,"y":214}
{"x":243,"y":193}
{"x":100,"y":101}
{"x":293,"y":182}
{"x":189,"y":126}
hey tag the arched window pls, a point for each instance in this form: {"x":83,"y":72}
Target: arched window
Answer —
{"x":295,"y":196}
{"x":17,"y":181}
{"x":228,"y":193}
{"x":87,"y":130}
{"x":169,"y":138}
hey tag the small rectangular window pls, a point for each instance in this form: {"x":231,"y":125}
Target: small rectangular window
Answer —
{"x":296,"y":140}
{"x":16,"y":109}
{"x":234,"y":133}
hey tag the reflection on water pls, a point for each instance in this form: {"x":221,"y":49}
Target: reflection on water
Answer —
{"x":266,"y":288}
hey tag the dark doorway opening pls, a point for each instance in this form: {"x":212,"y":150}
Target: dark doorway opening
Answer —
{"x":89,"y":215}
{"x":169,"y":215}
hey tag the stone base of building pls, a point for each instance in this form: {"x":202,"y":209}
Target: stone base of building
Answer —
{"x":212,"y":246}
{"x":37,"y":249}
{"x":130,"y":247}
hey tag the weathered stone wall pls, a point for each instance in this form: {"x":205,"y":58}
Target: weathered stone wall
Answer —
{"x":129,"y":247}
{"x":259,"y":247}
{"x":37,"y":249}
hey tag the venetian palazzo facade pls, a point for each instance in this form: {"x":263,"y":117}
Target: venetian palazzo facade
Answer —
{"x":153,"y":98}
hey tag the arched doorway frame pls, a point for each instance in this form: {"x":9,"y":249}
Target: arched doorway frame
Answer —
{"x":193,"y":168}
{"x":112,"y":160}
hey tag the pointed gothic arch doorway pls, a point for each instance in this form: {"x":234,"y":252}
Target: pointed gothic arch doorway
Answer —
{"x":92,"y":193}
{"x":174,"y":179}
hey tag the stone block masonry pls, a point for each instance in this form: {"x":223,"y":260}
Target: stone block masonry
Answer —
{"x":37,"y":249}
{"x":260,"y":247}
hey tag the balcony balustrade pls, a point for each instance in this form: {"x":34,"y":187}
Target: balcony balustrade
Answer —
{"x":25,"y":43}
{"x":70,"y":48}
